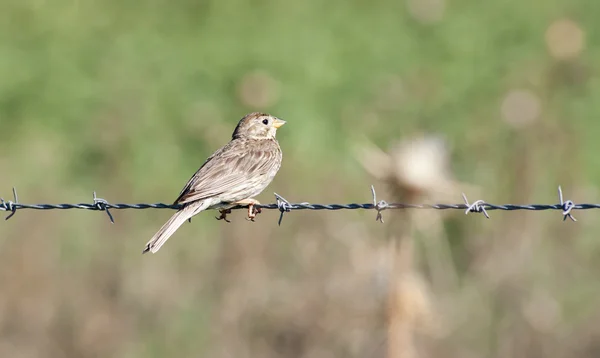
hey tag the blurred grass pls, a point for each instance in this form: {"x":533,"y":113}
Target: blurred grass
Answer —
{"x":129,"y":98}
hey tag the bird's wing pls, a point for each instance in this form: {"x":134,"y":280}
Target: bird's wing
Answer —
{"x":232,"y":170}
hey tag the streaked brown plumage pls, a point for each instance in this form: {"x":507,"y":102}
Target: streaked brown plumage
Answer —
{"x":233,"y":175}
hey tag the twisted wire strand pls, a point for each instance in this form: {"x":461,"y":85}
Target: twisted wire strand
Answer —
{"x":304,"y":206}
{"x":284,"y":206}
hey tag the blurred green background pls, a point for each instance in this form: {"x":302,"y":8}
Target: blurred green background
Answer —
{"x":128,"y":98}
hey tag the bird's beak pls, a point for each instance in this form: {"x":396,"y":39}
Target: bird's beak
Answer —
{"x":278,"y":123}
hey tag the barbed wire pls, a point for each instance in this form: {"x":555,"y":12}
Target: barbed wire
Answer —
{"x":284,"y":206}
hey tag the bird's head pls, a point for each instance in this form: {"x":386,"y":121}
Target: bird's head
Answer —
{"x":257,"y":126}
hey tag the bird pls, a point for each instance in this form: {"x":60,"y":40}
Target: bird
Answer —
{"x":231,"y":176}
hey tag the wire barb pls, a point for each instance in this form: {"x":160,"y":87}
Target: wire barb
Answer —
{"x":10,"y":205}
{"x":378,"y":205}
{"x":566,"y":206}
{"x":102,"y":205}
{"x":283,"y":205}
{"x":477,"y":207}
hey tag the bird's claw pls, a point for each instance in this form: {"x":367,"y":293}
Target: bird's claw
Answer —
{"x":252,"y":212}
{"x":224,"y":215}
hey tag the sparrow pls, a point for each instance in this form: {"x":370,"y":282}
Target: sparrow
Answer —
{"x":231,"y":176}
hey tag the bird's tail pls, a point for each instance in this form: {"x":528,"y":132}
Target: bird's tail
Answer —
{"x":173,"y":224}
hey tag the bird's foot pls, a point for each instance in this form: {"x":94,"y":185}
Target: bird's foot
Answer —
{"x":253,"y":211}
{"x":223,"y":216}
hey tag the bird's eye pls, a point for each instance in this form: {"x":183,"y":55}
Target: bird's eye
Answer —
{"x":265,"y":121}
